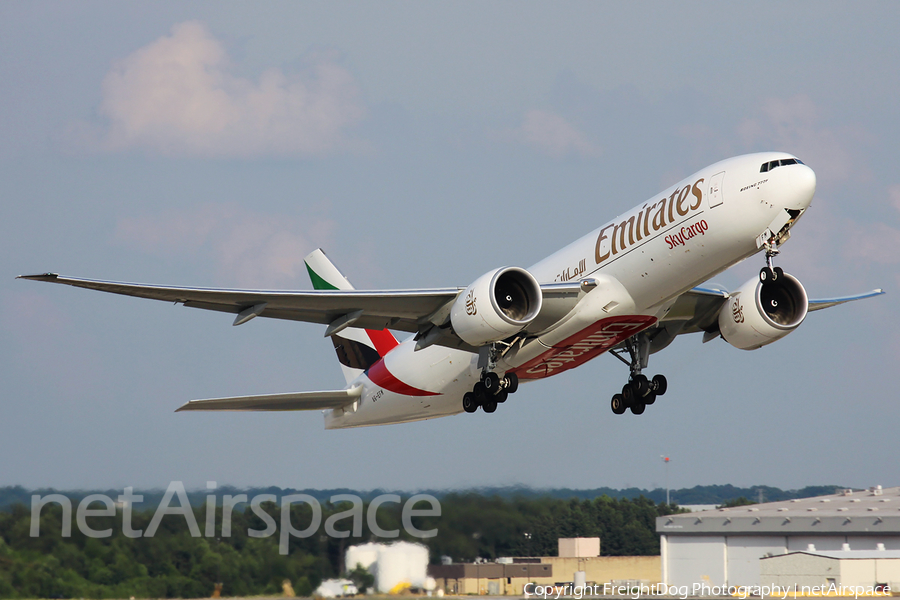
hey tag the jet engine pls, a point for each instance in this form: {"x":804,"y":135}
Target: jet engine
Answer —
{"x":761,"y":312}
{"x":497,"y":305}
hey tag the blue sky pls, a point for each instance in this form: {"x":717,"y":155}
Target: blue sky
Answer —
{"x":422,"y":144}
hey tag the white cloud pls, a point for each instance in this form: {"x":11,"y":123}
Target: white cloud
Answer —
{"x":841,"y":250}
{"x":553,"y":135}
{"x":798,"y":126}
{"x":894,"y":195}
{"x":41,"y":330}
{"x":177,"y":96}
{"x":249,"y":248}
{"x":876,"y":242}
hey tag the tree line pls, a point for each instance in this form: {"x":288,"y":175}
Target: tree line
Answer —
{"x":700,"y":494}
{"x":175,"y":564}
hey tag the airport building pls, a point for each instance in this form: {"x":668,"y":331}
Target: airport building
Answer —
{"x":841,"y":568}
{"x":728,"y":546}
{"x":579,"y":561}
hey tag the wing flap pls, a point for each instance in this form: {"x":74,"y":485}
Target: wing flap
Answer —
{"x":698,"y":308}
{"x":279,"y":402}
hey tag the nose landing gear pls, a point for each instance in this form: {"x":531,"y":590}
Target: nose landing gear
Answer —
{"x":769,"y":272}
{"x":639,"y":392}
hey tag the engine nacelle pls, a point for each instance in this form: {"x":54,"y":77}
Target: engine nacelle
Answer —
{"x":761,"y":313}
{"x":497,"y":305}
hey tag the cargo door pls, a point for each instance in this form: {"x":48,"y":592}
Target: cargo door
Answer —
{"x":715,"y":189}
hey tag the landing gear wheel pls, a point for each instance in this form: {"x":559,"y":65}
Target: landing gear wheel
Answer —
{"x":641,"y":385}
{"x":491,"y":383}
{"x":480,"y":393}
{"x":470,"y":403}
{"x":766,"y":274}
{"x":779,"y":272}
{"x":660,"y":385}
{"x":489,"y":406}
{"x":640,"y":392}
{"x":501,"y":396}
{"x":512,"y":382}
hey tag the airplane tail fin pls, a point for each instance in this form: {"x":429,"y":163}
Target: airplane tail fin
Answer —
{"x":357,"y":349}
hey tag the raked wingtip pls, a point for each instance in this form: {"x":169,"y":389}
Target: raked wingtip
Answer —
{"x":40,"y":277}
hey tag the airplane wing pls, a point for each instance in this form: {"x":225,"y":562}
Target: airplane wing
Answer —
{"x":415,"y":311}
{"x":698,"y":310}
{"x":270,"y":402}
{"x":397,"y":309}
{"x":829,"y":302}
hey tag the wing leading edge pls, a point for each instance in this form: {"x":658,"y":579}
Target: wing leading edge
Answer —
{"x":415,"y":311}
{"x":396,"y":309}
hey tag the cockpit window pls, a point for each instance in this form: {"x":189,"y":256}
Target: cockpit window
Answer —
{"x":772,"y":164}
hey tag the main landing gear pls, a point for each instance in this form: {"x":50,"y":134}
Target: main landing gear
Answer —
{"x":490,"y":391}
{"x":639,"y":392}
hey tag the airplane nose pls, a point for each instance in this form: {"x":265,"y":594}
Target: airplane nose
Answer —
{"x":804,"y":184}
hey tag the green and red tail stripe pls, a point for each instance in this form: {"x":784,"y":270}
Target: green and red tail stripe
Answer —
{"x":356,"y":349}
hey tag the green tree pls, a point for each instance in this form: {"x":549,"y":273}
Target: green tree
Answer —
{"x":739,"y":501}
{"x":361,"y":578}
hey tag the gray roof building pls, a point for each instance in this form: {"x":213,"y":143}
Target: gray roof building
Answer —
{"x":805,"y":571}
{"x":723,"y":546}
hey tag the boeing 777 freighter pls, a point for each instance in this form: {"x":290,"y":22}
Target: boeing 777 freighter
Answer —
{"x":627,"y":288}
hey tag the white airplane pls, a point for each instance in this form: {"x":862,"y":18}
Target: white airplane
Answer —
{"x":628,"y":287}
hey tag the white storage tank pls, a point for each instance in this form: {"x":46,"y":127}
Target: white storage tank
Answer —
{"x":391,"y":564}
{"x":364,"y":554}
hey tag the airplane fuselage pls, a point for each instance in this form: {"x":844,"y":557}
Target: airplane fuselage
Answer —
{"x":640,"y":262}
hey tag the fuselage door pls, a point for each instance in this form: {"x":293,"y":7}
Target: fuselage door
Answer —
{"x":715,"y":189}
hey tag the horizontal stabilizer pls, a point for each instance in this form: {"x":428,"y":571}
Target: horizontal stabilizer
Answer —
{"x":289,"y":401}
